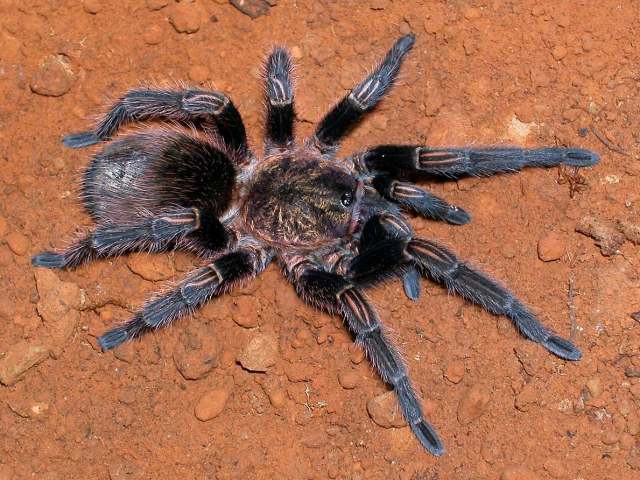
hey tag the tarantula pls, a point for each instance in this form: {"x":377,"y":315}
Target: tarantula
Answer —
{"x":335,"y":226}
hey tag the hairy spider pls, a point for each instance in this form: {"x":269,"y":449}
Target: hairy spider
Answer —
{"x":336,"y":227}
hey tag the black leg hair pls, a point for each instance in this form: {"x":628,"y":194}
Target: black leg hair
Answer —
{"x":365,"y":96}
{"x":405,"y":160}
{"x":181,"y":106}
{"x":334,"y":293}
{"x":153,"y":235}
{"x":215,"y":279}
{"x":391,"y":256}
{"x":419,"y":201}
{"x":279,"y":92}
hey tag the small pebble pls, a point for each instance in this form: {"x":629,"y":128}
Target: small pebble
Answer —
{"x":609,"y":437}
{"x":559,"y":52}
{"x":54,"y":78}
{"x":594,"y":386}
{"x":385,"y":411}
{"x":244,"y":311}
{"x":153,"y":35}
{"x":551,"y":247}
{"x":92,"y":6}
{"x":252,"y":8}
{"x":195,"y":354}
{"x":296,"y":52}
{"x":18,"y":243}
{"x":260,"y":353}
{"x":156,"y":4}
{"x":277,"y":398}
{"x":455,"y":371}
{"x":19,"y":358}
{"x":473,"y":404}
{"x":357,"y":354}
{"x":151,"y":267}
{"x":211,"y":404}
{"x":348,"y":379}
{"x":185,"y":18}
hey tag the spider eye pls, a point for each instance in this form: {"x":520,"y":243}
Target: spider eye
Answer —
{"x":347,"y":199}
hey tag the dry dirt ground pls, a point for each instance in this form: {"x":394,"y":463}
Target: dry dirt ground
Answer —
{"x":482,"y":72}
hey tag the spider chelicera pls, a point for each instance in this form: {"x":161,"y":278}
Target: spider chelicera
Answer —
{"x":335,"y":226}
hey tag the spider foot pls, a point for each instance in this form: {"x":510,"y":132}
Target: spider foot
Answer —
{"x":119,"y":335}
{"x":80,"y":140}
{"x":577,"y":157}
{"x":49,"y":260}
{"x":428,"y":437}
{"x":411,"y":283}
{"x":562,"y":348}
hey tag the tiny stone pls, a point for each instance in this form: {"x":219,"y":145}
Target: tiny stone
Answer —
{"x":156,"y":4}
{"x":609,"y":437}
{"x":348,"y":379}
{"x":277,"y":398}
{"x":252,"y":8}
{"x":244,"y":311}
{"x":185,"y":18}
{"x":551,"y":247}
{"x":473,"y":404}
{"x":92,"y":6}
{"x":357,"y":354}
{"x":594,"y":386}
{"x":18,"y":243}
{"x":517,"y":473}
{"x":627,"y":441}
{"x":296,"y":52}
{"x":385,"y":411}
{"x":154,"y":35}
{"x":151,"y":267}
{"x":54,"y":78}
{"x":298,"y":372}
{"x":196,"y":354}
{"x":455,"y":371}
{"x":260,"y":353}
{"x":199,"y":73}
{"x":19,"y":358}
{"x":559,"y":52}
{"x":39,"y":408}
{"x":211,"y":404}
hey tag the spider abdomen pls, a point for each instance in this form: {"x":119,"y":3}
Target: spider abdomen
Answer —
{"x":156,"y":170}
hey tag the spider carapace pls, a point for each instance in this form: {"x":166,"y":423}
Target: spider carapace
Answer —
{"x":335,"y":225}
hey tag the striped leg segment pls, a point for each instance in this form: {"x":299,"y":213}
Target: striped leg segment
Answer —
{"x":334,"y":293}
{"x":198,"y":288}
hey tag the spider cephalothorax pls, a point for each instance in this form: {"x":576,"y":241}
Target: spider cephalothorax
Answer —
{"x":300,"y":199}
{"x":335,"y":226}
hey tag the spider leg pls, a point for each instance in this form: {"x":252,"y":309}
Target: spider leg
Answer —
{"x":364,"y":97}
{"x":457,"y":162}
{"x":153,"y":234}
{"x":205,"y":283}
{"x":419,"y":201}
{"x":334,"y":293}
{"x":279,"y":93}
{"x":182,"y":106}
{"x":390,"y":256}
